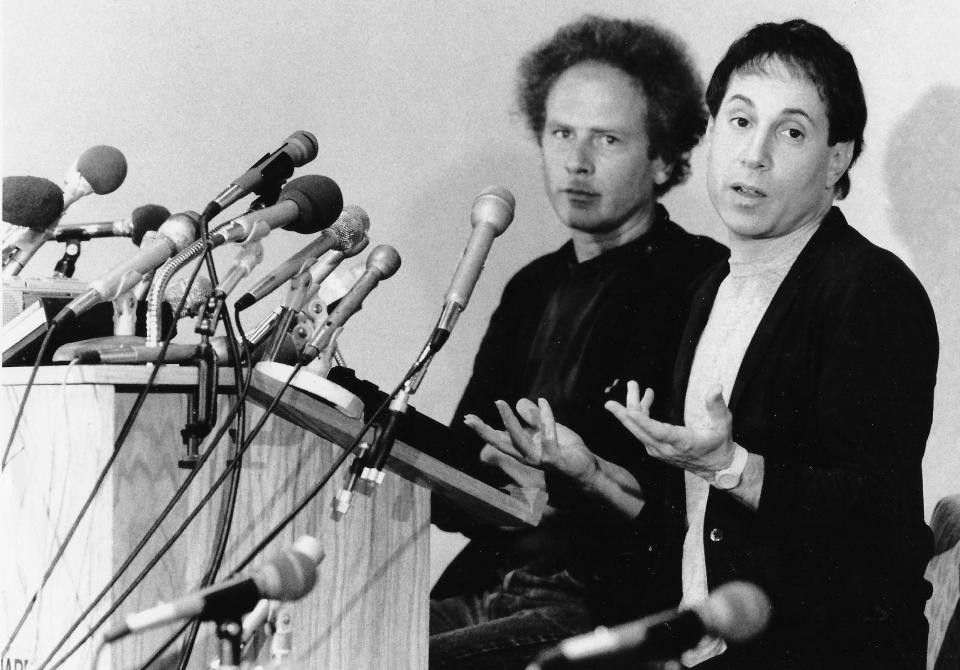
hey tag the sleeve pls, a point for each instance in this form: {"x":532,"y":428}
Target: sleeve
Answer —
{"x":860,"y":471}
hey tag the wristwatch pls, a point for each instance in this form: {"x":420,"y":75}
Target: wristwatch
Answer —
{"x":729,"y":477}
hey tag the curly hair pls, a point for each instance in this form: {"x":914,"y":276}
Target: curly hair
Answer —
{"x":656,"y":60}
{"x":811,"y":53}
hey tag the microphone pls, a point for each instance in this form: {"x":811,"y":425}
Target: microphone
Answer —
{"x":274,"y":168}
{"x":382,"y":263}
{"x":345,"y":233}
{"x":124,"y":350}
{"x":141,"y":220}
{"x":35,"y":204}
{"x":31,"y":202}
{"x":491,"y":213}
{"x":196,"y":299}
{"x":288,"y":576}
{"x":249,"y":256}
{"x":173,"y":236}
{"x":100,"y":169}
{"x":736,"y":611}
{"x":306,"y":205}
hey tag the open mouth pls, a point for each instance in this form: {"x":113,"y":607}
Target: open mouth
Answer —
{"x":748,"y":191}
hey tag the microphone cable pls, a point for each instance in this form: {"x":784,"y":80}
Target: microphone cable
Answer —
{"x":44,"y":345}
{"x":103,"y":472}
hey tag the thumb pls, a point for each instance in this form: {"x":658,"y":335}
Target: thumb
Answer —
{"x":716,"y":405}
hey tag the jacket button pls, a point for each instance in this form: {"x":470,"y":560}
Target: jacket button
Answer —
{"x":716,"y":535}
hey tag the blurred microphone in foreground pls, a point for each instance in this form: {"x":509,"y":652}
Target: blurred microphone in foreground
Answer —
{"x":288,"y":576}
{"x":736,"y":611}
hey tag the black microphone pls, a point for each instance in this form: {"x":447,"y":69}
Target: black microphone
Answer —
{"x":141,"y":220}
{"x":491,"y":213}
{"x":306,"y":205}
{"x":297,"y":150}
{"x":288,"y":576}
{"x":35,"y":204}
{"x":736,"y":611}
{"x":382,"y":263}
{"x":176,"y":233}
{"x":345,"y":233}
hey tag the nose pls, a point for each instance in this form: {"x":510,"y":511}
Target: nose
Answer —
{"x":756,"y":151}
{"x":580,"y":157}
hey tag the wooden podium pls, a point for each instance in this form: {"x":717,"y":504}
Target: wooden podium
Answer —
{"x":369,"y":608}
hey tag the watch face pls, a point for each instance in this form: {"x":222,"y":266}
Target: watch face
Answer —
{"x":726,"y":480}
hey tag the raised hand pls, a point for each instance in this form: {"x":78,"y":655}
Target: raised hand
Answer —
{"x":701,"y":450}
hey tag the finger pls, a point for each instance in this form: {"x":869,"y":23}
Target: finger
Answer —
{"x":646,"y":401}
{"x":633,"y":394}
{"x":522,"y":474}
{"x":498,"y":438}
{"x":529,"y":412}
{"x":521,"y":441}
{"x":548,"y":431}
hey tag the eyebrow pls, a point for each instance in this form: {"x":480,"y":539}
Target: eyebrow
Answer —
{"x":784,"y":112}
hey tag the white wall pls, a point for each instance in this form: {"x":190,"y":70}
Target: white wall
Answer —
{"x":413,"y":107}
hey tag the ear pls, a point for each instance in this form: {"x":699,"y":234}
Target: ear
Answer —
{"x":661,"y":171}
{"x":841,"y":154}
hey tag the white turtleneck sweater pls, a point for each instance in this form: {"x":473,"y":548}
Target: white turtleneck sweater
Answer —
{"x":757,"y":268}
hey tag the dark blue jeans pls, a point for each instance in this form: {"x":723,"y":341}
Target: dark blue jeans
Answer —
{"x":508,"y":626}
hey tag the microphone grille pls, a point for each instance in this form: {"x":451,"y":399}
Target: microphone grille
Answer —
{"x":351,"y":227}
{"x":31,"y":202}
{"x":737,"y":611}
{"x":195,"y":299}
{"x":292,"y":573}
{"x":104,"y":167}
{"x":494,"y":206}
{"x":303,"y":147}
{"x":385,"y":259}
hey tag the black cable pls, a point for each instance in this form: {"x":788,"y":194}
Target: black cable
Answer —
{"x":118,"y":443}
{"x":26,"y":392}
{"x":216,"y":485}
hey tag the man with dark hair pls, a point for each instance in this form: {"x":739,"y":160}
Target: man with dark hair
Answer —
{"x":615,"y":107}
{"x":803,"y":390}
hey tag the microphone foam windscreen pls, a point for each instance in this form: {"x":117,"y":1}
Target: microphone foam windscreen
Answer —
{"x":290,"y":574}
{"x":147,"y":217}
{"x":32,"y":202}
{"x":737,"y":611}
{"x":319,"y":199}
{"x":103,"y":167}
{"x":197,"y":297}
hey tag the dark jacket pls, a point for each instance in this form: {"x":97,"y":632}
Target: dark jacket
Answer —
{"x":836,"y":393}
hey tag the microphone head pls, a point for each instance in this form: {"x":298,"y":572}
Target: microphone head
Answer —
{"x":736,"y":611}
{"x":351,"y":229}
{"x":302,"y":147}
{"x":195,"y":299}
{"x":31,"y":202}
{"x":319,"y":199}
{"x":103,"y":167}
{"x":146,"y":217}
{"x":292,"y":573}
{"x":357,"y":248}
{"x":385,"y":259}
{"x":180,"y":229}
{"x":494,"y":207}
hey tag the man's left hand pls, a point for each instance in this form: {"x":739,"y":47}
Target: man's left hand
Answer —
{"x":700,"y":450}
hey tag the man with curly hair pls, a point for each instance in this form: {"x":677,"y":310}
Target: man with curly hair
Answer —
{"x":616,"y":108}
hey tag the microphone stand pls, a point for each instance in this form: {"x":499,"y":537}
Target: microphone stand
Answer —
{"x":229,"y":632}
{"x":66,"y":266}
{"x":202,"y":403}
